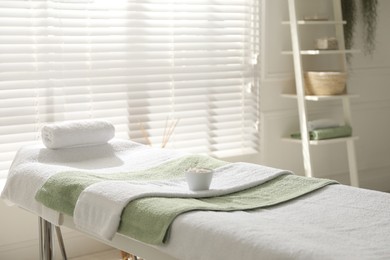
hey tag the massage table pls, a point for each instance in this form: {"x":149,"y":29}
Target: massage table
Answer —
{"x":332,"y":222}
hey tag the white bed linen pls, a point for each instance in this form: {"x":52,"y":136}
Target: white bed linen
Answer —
{"x":335,"y":222}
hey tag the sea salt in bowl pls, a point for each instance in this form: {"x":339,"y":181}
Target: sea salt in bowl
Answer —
{"x":199,"y":178}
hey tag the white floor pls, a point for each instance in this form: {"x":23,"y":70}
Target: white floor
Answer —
{"x":106,"y":255}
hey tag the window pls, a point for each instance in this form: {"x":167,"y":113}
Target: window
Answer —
{"x":136,"y":63}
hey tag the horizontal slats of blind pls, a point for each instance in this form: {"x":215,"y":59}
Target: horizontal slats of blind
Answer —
{"x":137,"y":63}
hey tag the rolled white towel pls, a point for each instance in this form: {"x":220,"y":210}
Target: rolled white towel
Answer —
{"x":322,"y":123}
{"x":77,"y":133}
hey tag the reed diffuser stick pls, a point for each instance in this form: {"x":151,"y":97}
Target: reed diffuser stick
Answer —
{"x":167,"y":134}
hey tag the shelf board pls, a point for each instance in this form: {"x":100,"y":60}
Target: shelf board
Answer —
{"x":313,"y":22}
{"x":322,"y":52}
{"x":322,"y":142}
{"x":322,"y":98}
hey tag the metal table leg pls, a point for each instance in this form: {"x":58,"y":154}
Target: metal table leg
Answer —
{"x":61,"y":243}
{"x":46,"y":240}
{"x":40,"y":232}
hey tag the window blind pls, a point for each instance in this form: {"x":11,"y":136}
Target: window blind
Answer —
{"x":139,"y":64}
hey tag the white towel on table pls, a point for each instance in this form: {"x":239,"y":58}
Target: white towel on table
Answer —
{"x":77,"y":133}
{"x":99,"y":207}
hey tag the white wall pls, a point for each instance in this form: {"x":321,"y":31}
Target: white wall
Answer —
{"x":370,"y":79}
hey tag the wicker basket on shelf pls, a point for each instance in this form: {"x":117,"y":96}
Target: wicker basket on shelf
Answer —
{"x":323,"y":83}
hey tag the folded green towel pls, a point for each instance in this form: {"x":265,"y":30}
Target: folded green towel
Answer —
{"x":327,"y":133}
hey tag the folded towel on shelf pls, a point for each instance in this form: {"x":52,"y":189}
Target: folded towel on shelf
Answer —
{"x":327,"y":133}
{"x":321,"y":123}
{"x":77,"y":133}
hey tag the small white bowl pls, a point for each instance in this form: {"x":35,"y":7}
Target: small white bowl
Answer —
{"x":199,"y":178}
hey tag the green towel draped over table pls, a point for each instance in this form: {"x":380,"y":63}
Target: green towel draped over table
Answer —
{"x":148,"y":219}
{"x":156,"y":214}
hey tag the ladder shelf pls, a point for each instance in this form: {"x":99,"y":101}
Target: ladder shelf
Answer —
{"x":297,"y":52}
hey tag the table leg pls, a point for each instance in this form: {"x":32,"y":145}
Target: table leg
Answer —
{"x":45,"y":239}
{"x":61,"y":243}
